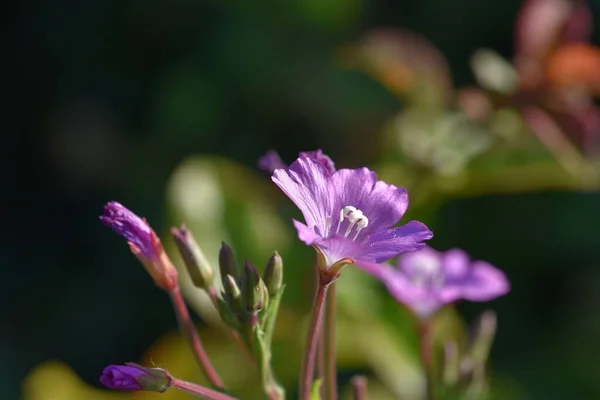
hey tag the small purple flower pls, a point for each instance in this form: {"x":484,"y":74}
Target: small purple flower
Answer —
{"x":272,"y":161}
{"x":349,"y":214}
{"x":122,"y":377}
{"x":427,"y":280}
{"x":130,"y":226}
{"x":133,"y":377}
{"x":143,"y":242}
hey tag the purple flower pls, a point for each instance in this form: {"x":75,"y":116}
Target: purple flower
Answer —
{"x":143,"y":242}
{"x":427,"y":280}
{"x":122,"y":377}
{"x":133,"y":377}
{"x":349,"y":214}
{"x":133,"y":228}
{"x":271,"y":160}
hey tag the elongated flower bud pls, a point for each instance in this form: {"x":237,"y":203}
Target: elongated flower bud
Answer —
{"x":195,"y":261}
{"x":253,"y":290}
{"x":231,"y":288}
{"x":273,"y":275}
{"x":143,"y":243}
{"x":134,"y":377}
{"x":227,"y":264}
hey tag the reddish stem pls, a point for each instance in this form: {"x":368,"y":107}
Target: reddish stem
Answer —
{"x":359,"y":387}
{"x":199,"y":391}
{"x":310,"y":355}
{"x":330,"y":367}
{"x":190,"y":333}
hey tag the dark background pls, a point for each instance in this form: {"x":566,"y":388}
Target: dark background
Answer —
{"x":104,"y":98}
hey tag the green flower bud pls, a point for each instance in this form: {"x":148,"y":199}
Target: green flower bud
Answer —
{"x":232,"y":295}
{"x":195,"y":261}
{"x":253,"y":290}
{"x":227,"y":265}
{"x":273,"y":275}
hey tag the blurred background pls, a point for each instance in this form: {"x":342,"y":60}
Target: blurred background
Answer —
{"x":485,"y":111}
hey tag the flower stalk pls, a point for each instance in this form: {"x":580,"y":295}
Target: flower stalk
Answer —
{"x":310,"y":355}
{"x":191,"y":335}
{"x":330,"y":367}
{"x":359,"y":387}
{"x":199,"y":391}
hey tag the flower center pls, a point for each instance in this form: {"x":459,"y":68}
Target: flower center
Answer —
{"x":356,"y":220}
{"x":427,"y":274}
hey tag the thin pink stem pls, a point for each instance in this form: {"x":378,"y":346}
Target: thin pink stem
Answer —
{"x":189,"y":330}
{"x":199,"y":391}
{"x":310,"y":355}
{"x":359,"y":387}
{"x":331,"y":372}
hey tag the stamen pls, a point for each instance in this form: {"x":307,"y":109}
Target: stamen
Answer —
{"x":355,"y":218}
{"x":360,"y":225}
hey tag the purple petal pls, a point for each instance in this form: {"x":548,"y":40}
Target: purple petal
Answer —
{"x":383,"y":204}
{"x":121,"y":377}
{"x":124,"y":222}
{"x":486,"y":283}
{"x":270,"y":162}
{"x":307,"y":184}
{"x":379,"y":271}
{"x":305,"y":234}
{"x":337,"y":247}
{"x":383,"y":245}
{"x":456,"y":264}
{"x":321,"y":158}
{"x":417,"y":262}
{"x":422,"y":301}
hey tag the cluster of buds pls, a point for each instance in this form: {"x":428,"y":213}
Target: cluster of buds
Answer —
{"x":249,"y":304}
{"x":246,"y":295}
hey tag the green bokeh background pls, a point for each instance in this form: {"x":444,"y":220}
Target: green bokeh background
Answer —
{"x":113,"y":99}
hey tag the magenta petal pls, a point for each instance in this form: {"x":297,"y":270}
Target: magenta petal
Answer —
{"x":379,"y":271}
{"x":127,"y":224}
{"x":383,"y":204}
{"x":426,"y":260}
{"x":485,"y":283}
{"x":321,"y":158}
{"x":306,"y":183}
{"x":383,"y":245}
{"x":456,"y":264}
{"x":121,"y":377}
{"x":423,"y":302}
{"x":338,"y":247}
{"x":307,"y":235}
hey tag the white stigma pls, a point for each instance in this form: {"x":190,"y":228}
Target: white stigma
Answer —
{"x":355,"y":217}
